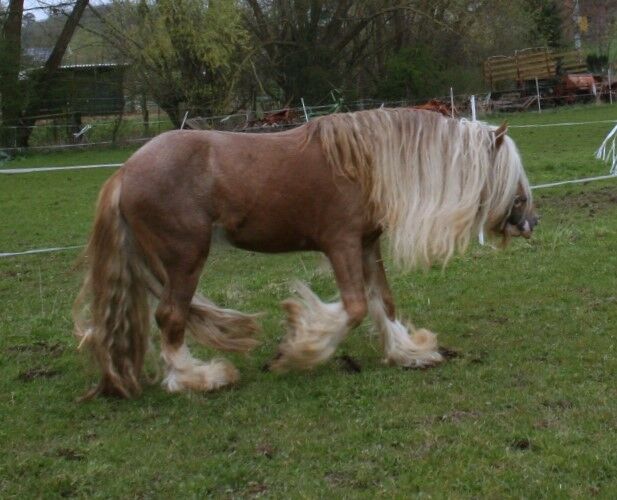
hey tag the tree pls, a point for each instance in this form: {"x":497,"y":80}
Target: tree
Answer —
{"x":411,"y":73}
{"x":373,"y":47}
{"x":188,"y":53}
{"x":547,"y":21}
{"x":309,"y":47}
{"x":601,"y":22}
{"x":22,"y":99}
{"x":10,"y":54}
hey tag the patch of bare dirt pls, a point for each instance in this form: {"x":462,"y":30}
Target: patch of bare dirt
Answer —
{"x":69,"y":454}
{"x":593,"y":201}
{"x":34,"y":373}
{"x":522,"y":444}
{"x":53,"y":349}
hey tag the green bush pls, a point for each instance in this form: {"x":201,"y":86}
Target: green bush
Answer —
{"x":412,"y":73}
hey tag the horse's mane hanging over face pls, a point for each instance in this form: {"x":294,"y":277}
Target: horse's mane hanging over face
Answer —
{"x":430,"y":181}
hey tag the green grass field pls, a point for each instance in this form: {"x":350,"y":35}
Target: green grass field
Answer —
{"x":528,"y":408}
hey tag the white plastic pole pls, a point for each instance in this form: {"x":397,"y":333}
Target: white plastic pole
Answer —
{"x":538,"y":95}
{"x":473,"y":119}
{"x":452,"y":101}
{"x":186,"y":115}
{"x":304,"y":108}
{"x":594,"y":90}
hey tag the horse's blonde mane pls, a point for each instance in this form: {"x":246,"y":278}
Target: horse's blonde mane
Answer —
{"x":431,"y":182}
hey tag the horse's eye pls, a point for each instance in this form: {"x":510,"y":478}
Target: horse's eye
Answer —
{"x":519,"y":200}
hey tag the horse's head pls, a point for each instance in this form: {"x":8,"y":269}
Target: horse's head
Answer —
{"x":520,"y":217}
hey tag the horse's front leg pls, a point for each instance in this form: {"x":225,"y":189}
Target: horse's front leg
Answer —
{"x":315,"y":329}
{"x":418,"y":350}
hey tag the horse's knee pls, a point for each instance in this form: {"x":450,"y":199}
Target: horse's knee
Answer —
{"x":356,"y":311}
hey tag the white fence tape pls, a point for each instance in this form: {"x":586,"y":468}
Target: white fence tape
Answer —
{"x":608,"y":150}
{"x":51,"y":169}
{"x":602,"y":152}
{"x":562,"y":124}
{"x":40,"y":250}
{"x":538,"y":186}
{"x":574,"y":181}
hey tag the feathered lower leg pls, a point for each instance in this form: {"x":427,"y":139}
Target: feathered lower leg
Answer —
{"x":418,"y":350}
{"x":315,"y":329}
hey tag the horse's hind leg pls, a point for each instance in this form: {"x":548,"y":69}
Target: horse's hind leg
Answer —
{"x":411,"y":351}
{"x":172,"y":315}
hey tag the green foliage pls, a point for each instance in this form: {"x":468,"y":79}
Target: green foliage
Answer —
{"x":597,"y":63}
{"x":310,"y":76}
{"x":206,"y":34}
{"x":547,"y":21}
{"x":213,"y":56}
{"x":411,"y":73}
{"x":187,"y":52}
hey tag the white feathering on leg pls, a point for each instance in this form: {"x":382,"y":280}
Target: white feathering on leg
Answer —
{"x":315,"y":329}
{"x":186,"y":372}
{"x":411,"y":351}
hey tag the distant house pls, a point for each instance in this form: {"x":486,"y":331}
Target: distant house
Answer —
{"x":85,"y":89}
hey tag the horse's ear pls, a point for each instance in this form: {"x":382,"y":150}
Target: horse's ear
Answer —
{"x":500,"y":134}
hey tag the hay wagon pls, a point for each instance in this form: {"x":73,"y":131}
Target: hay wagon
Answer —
{"x":557,"y":77}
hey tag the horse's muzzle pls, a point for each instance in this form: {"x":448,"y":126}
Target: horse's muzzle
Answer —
{"x":521,"y":227}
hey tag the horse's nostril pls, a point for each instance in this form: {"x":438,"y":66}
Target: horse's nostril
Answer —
{"x":532,"y":222}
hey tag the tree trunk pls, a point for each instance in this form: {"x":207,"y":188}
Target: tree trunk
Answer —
{"x":10,"y":54}
{"x":145,"y":113}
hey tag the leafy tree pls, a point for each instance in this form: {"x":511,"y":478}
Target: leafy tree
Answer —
{"x":10,"y":87}
{"x":309,"y":48}
{"x":188,"y":53}
{"x":377,"y":47}
{"x":547,"y":20}
{"x":411,"y":73}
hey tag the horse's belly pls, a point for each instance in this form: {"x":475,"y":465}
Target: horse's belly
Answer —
{"x":269,"y":240}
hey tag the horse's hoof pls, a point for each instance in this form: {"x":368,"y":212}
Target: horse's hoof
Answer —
{"x":268,"y":366}
{"x":448,"y":353}
{"x":349,"y":364}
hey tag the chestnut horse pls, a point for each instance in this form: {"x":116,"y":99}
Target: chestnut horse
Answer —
{"x":333,"y":185}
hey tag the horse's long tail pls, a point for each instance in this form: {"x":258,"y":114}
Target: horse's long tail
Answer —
{"x":111,"y":313}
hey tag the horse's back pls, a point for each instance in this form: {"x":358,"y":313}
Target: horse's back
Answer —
{"x":270,"y":192}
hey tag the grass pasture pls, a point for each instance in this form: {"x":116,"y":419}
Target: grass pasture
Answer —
{"x":527,"y":409}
